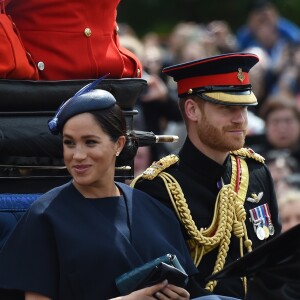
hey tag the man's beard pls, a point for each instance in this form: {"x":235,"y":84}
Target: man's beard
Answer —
{"x":217,"y":139}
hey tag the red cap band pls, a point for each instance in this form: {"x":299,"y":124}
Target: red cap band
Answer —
{"x":233,"y":78}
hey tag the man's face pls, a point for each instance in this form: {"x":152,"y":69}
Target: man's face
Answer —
{"x":222,"y":128}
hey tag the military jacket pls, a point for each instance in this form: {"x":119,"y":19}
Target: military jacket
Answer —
{"x":199,"y":178}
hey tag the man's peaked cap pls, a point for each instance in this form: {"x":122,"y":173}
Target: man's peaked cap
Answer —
{"x":222,"y":79}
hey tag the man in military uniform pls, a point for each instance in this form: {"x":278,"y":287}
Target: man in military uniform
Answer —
{"x":222,"y":193}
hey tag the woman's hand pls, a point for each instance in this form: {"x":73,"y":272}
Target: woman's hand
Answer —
{"x":171,"y":291}
{"x":161,"y":291}
{"x":35,"y":296}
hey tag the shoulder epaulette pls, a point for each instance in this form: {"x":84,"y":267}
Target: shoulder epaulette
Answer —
{"x":159,"y":166}
{"x":248,"y":152}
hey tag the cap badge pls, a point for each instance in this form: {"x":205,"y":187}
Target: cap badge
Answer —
{"x":240,"y":75}
{"x":190,"y":91}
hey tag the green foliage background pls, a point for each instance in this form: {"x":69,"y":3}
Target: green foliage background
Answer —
{"x":161,"y":15}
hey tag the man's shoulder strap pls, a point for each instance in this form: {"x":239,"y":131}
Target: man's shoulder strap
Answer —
{"x":249,"y":153}
{"x":159,"y":166}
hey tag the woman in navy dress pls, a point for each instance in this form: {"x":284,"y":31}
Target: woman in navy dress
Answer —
{"x":77,"y":238}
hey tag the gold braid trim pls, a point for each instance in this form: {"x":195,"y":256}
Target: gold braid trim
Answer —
{"x":158,"y":166}
{"x":218,"y":233}
{"x":239,"y":225}
{"x":248,"y":152}
{"x":135,"y":180}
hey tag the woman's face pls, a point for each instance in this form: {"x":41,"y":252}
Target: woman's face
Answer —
{"x":89,"y":153}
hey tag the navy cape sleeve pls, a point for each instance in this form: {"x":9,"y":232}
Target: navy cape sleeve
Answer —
{"x":33,"y":267}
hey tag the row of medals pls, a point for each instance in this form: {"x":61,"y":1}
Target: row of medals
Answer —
{"x":261,"y":220}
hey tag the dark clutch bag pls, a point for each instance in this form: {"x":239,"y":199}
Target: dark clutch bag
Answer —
{"x":151,"y":273}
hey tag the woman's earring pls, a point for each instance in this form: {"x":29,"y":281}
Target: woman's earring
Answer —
{"x":118,"y":153}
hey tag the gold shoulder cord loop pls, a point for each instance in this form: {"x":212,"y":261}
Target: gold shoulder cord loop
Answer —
{"x":247,"y":152}
{"x":135,"y":180}
{"x":239,"y":227}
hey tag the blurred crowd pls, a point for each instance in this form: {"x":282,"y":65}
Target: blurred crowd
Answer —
{"x":274,"y":124}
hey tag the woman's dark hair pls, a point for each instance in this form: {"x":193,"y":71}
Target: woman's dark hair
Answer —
{"x":113,"y":123}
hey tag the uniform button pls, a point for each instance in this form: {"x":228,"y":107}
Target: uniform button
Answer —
{"x":117,"y":28}
{"x":88,"y":32}
{"x":41,"y":66}
{"x":138,"y":73}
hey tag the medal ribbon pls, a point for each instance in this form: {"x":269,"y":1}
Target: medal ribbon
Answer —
{"x":268,"y":215}
{"x":262,"y":215}
{"x":267,"y":211}
{"x":254,"y":216}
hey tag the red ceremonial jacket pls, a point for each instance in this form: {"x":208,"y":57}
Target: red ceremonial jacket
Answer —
{"x":73,"y":39}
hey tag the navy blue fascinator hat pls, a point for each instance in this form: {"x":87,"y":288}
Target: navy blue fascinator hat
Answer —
{"x":85,"y":100}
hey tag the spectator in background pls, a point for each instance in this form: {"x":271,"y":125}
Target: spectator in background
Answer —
{"x":273,"y":33}
{"x":158,"y":108}
{"x":195,"y":48}
{"x":289,"y":80}
{"x":293,"y":180}
{"x":264,"y":17}
{"x":130,"y":41}
{"x":259,"y":76}
{"x":282,"y":118}
{"x":223,"y":36}
{"x":159,"y":102}
{"x":181,"y":34}
{"x":289,"y":209}
{"x":281,"y":166}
